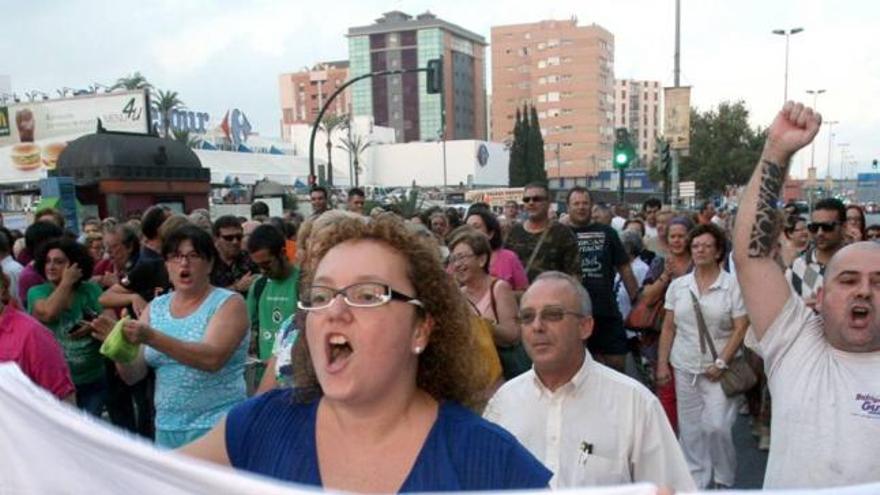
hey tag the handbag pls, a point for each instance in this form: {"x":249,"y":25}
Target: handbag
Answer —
{"x":483,"y":330}
{"x":514,"y":360}
{"x":739,"y":377}
{"x":645,"y":316}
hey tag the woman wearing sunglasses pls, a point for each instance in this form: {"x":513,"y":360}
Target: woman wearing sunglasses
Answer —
{"x":384,"y":360}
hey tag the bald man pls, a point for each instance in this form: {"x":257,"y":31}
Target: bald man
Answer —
{"x":823,"y":369}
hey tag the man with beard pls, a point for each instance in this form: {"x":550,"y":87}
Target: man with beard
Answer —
{"x":541,"y":244}
{"x":826,"y":227}
{"x":823,"y":369}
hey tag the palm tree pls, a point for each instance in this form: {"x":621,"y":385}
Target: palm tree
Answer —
{"x":186,"y":138}
{"x":132,"y":81}
{"x":329,"y":124}
{"x":167,"y":102}
{"x":355,"y":145}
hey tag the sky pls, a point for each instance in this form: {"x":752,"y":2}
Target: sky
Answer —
{"x":220,"y":54}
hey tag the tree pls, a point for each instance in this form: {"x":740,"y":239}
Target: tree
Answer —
{"x":723,"y":148}
{"x":132,"y":81}
{"x":517,"y":165}
{"x":186,"y":138}
{"x":166,"y":103}
{"x":355,"y":145}
{"x":535,"y":171}
{"x":329,"y":124}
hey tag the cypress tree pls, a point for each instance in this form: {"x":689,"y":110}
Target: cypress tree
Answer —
{"x":535,"y":171}
{"x":515,"y":172}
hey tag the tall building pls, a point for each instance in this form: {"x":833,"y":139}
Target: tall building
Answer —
{"x":399,"y":41}
{"x":567,"y":72}
{"x":303,"y":93}
{"x":637,"y":106}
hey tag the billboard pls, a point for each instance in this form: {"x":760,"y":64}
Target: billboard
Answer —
{"x":677,"y":118}
{"x":33,"y":134}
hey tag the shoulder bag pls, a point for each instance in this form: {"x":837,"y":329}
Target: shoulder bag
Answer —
{"x":739,"y":377}
{"x":514,"y":360}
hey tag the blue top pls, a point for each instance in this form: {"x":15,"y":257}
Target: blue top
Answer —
{"x":275,"y":436}
{"x":188,"y":398}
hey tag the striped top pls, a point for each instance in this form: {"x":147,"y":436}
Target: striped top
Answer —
{"x":274,"y":436}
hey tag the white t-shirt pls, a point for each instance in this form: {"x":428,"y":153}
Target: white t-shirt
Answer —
{"x":826,"y":405}
{"x":599,"y":410}
{"x":12,"y":269}
{"x":721,"y":303}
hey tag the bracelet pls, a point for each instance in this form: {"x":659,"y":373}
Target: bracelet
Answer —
{"x":721,"y":364}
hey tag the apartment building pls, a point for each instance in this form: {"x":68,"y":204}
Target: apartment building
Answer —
{"x":303,"y":94}
{"x":638,"y":106}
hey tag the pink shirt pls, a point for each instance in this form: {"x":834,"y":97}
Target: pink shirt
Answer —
{"x":505,"y":264}
{"x":26,"y":342}
{"x":28,"y":278}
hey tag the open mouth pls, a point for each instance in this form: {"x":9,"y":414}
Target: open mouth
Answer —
{"x":185,"y":275}
{"x":338,"y":350}
{"x":860,"y":315}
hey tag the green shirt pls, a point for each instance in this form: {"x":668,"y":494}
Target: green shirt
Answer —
{"x":82,"y":355}
{"x":277,"y":303}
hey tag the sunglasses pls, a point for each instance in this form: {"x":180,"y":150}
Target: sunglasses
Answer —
{"x":552,"y":314}
{"x":536,"y":199}
{"x":825,"y":226}
{"x":232,"y":237}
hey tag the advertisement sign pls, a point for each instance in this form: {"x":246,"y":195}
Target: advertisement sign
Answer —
{"x":677,"y":118}
{"x":33,"y":134}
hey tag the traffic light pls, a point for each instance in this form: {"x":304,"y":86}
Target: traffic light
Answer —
{"x":435,"y":76}
{"x":874,"y":164}
{"x":665,"y":155}
{"x":624,"y":152}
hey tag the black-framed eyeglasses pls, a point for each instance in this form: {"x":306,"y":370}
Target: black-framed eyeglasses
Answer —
{"x":179,"y":257}
{"x":536,"y":199}
{"x":814,"y":227}
{"x":359,"y":295}
{"x":550,"y":313}
{"x":232,"y":237}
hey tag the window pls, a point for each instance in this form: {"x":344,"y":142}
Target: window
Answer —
{"x":623,"y":108}
{"x":541,"y":46}
{"x":553,"y":61}
{"x":552,"y":79}
{"x":528,"y":36}
{"x":566,"y":60}
{"x":542,"y":80}
{"x":542,"y":64}
{"x":553,"y":96}
{"x":623,"y":95}
{"x":542,"y":98}
{"x":551,"y":43}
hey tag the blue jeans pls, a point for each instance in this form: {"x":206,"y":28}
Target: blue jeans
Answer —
{"x":90,"y":397}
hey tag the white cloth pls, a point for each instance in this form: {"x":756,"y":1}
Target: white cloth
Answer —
{"x":705,"y":422}
{"x":50,"y":447}
{"x":617,"y":223}
{"x":600,"y":410}
{"x":826,"y":405}
{"x":640,"y":271}
{"x":721,"y":303}
{"x":12,"y":269}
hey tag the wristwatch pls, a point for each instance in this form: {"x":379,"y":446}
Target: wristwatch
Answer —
{"x":720,"y":364}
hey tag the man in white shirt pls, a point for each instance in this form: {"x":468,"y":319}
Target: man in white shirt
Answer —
{"x":588,"y":424}
{"x":823,"y":370}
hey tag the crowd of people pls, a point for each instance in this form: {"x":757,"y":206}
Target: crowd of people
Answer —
{"x":379,"y":351}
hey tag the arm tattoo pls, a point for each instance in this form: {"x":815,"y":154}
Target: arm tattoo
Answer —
{"x":765,"y":229}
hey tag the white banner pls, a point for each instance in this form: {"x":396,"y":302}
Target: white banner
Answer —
{"x":32,"y":135}
{"x":50,"y":447}
{"x":677,"y":118}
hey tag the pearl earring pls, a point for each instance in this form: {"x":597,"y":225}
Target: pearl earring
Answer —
{"x":418,"y":349}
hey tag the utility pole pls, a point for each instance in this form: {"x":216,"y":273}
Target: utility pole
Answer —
{"x":673,"y":172}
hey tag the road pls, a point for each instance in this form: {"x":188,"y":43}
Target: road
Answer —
{"x":751,"y":462}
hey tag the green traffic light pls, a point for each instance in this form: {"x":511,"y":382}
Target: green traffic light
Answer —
{"x":620,"y":158}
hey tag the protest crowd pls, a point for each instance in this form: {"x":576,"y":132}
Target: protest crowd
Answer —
{"x":368,"y":352}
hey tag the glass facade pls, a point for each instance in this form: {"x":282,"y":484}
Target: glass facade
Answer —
{"x":430,"y":45}
{"x":359,"y":64}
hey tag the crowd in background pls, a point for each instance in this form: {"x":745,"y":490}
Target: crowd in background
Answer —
{"x":218,"y":306}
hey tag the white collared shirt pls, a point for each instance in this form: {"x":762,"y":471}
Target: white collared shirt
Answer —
{"x":600,"y":428}
{"x":721,"y":303}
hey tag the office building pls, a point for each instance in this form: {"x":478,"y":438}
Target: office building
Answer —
{"x":303,"y":93}
{"x":399,"y":41}
{"x":637,"y":106}
{"x":567,"y":72}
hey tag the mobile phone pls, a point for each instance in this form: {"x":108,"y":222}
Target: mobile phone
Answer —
{"x":89,"y":315}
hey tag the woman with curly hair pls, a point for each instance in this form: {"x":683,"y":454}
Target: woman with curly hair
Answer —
{"x":385,"y":360}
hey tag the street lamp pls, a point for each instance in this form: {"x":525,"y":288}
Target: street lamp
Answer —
{"x":787,"y":34}
{"x":815,"y":93}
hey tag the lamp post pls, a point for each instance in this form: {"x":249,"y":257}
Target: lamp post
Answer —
{"x":830,"y":124}
{"x":843,"y":147}
{"x":815,"y":93}
{"x":787,"y":34}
